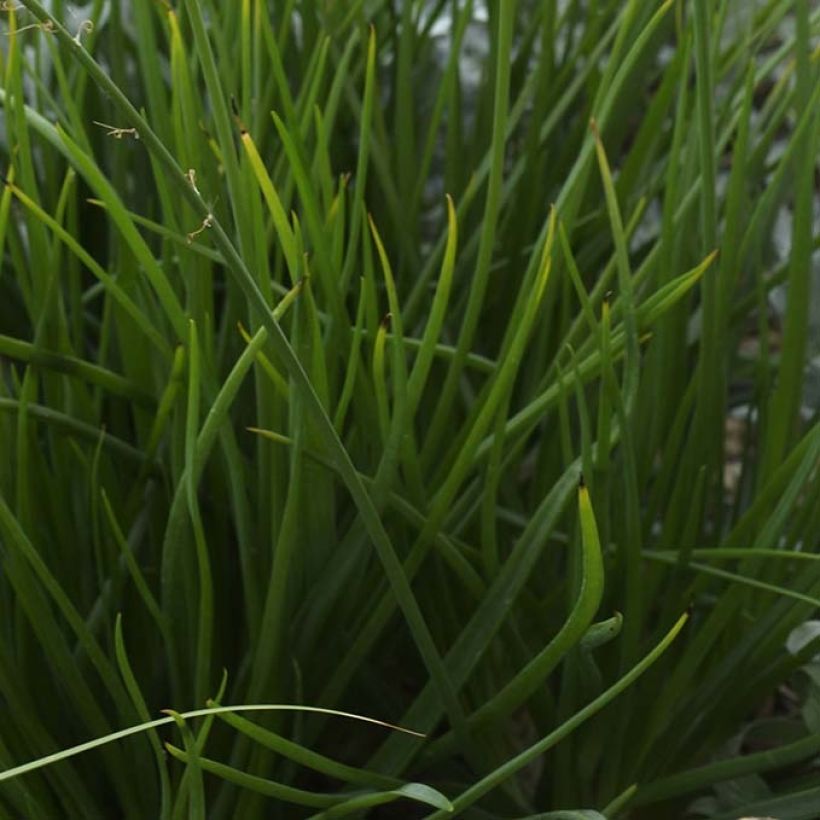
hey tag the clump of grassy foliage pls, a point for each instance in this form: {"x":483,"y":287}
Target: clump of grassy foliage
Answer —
{"x":282,"y":424}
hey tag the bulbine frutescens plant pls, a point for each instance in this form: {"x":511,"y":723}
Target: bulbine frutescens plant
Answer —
{"x":378,"y":358}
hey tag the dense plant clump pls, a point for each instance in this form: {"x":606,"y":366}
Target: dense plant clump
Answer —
{"x":441,"y":363}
